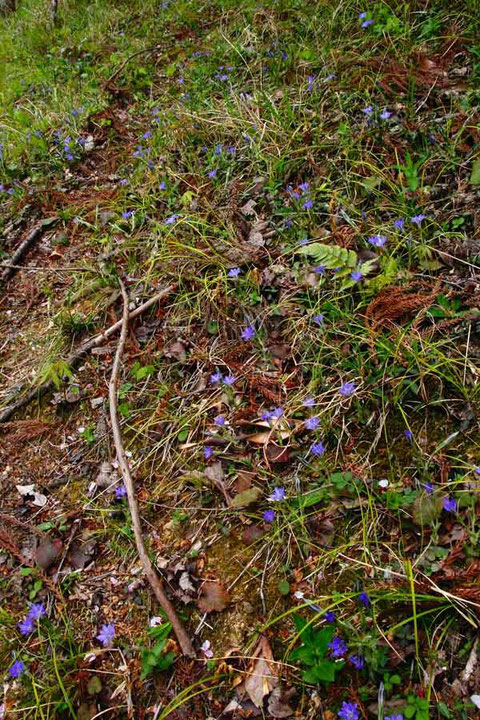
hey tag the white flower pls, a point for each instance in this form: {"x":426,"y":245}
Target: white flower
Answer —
{"x":155,"y":620}
{"x":383,"y":483}
{"x":299,"y":594}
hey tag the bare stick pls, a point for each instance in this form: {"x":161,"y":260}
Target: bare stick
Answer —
{"x":33,"y":235}
{"x":135,"y":54}
{"x":77,"y":355}
{"x":149,"y":570}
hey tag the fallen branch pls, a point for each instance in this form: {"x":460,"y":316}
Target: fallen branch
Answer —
{"x":9,"y":267}
{"x":145,"y":51}
{"x":77,"y":355}
{"x":149,"y":570}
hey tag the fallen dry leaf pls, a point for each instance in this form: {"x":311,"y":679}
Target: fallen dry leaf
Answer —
{"x":277,"y":454}
{"x":278,"y":706}
{"x":214,"y":473}
{"x":214,"y":597}
{"x":247,"y":497}
{"x":262,"y":678}
{"x":47,"y":552}
{"x":262,"y":438}
{"x":252,"y":534}
{"x":176,"y":350}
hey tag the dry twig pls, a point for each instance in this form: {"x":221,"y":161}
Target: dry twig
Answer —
{"x":10,"y":267}
{"x":149,"y":570}
{"x":74,"y":358}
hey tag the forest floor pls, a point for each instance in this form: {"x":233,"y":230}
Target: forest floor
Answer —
{"x":300,"y":410}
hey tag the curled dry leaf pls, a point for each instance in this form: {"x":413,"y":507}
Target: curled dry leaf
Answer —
{"x":29,"y":490}
{"x":214,"y":597}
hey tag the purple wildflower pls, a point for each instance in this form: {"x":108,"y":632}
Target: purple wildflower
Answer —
{"x":320,"y":269}
{"x":318,"y":319}
{"x":428,"y":487}
{"x":356,"y":275}
{"x":358,"y":661}
{"x":309,"y":402}
{"x":127,"y":214}
{"x":277,"y":413}
{"x":399,"y":223}
{"x":219,"y":420}
{"x":248,"y":333}
{"x":106,"y":635}
{"x":362,"y":15}
{"x":36,"y":611}
{"x":218,"y":149}
{"x":207,"y":452}
{"x":366,"y":23}
{"x":417,"y":219}
{"x":147,"y":134}
{"x":171,"y":220}
{"x":397,"y":716}
{"x":216,"y":377}
{"x":212,"y":174}
{"x":26,"y":626}
{"x":269,"y":516}
{"x":477,"y":471}
{"x":368,"y":110}
{"x":330,"y":616}
{"x":408,"y":435}
{"x":312,"y":423}
{"x":449,"y":504}
{"x":162,"y":185}
{"x":338,"y":647}
{"x":385,"y":114}
{"x":348,"y":711}
{"x":347,"y":389}
{"x":278,"y":494}
{"x":206,"y":649}
{"x":288,"y":223}
{"x":317,"y":449}
{"x":17,"y":669}
{"x":377,"y":240}
{"x":304,"y":186}
{"x":229,"y":380}
{"x":231,"y":150}
{"x":120,"y":492}
{"x":234,"y":272}
{"x":364,"y":599}
{"x":308,"y":204}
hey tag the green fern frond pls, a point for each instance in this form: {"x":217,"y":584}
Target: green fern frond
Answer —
{"x":331,"y":256}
